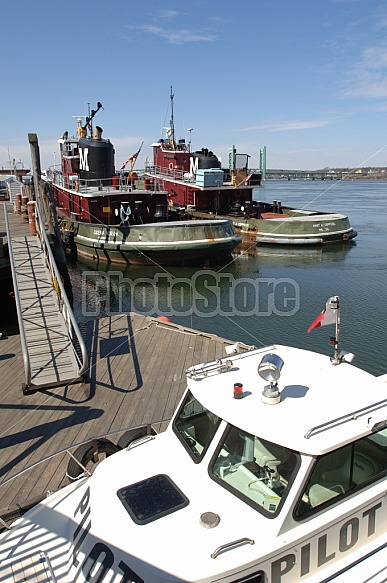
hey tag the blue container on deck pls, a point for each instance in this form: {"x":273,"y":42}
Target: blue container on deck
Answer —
{"x":209,"y":177}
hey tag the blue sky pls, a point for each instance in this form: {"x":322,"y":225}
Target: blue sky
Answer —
{"x":305,"y":78}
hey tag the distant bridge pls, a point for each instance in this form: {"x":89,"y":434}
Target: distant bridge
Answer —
{"x":306,"y":174}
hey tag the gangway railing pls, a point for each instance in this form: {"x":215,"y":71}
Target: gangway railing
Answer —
{"x":63,"y":302}
{"x":64,"y":307}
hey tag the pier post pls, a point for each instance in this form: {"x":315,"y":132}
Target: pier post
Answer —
{"x":46,"y":203}
{"x":35,"y":159}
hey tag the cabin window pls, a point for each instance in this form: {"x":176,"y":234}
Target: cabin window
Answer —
{"x":195,"y":426}
{"x":341,"y":472}
{"x":256,"y":470}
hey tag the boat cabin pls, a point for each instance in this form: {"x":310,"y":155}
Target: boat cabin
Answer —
{"x":272,"y":470}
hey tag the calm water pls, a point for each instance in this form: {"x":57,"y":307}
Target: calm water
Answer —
{"x":273,"y":296}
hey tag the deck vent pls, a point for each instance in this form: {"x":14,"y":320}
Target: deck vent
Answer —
{"x":209,"y":519}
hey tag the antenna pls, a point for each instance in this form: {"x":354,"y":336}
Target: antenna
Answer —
{"x":334,"y":340}
{"x":190,"y":133}
{"x":89,"y":118}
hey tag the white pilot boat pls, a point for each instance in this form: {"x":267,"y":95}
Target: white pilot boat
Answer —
{"x":273,"y":470}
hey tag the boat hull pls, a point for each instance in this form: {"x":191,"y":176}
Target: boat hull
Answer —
{"x":314,"y":229}
{"x":167,"y":243}
{"x":309,"y":230}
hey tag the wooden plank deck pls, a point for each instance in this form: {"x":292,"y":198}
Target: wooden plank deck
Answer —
{"x":137,"y":376}
{"x":50,"y":350}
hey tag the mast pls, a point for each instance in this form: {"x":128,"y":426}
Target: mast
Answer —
{"x":172,"y":123}
{"x":89,"y":118}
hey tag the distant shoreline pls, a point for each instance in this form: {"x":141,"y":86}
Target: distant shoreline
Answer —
{"x":348,"y":177}
{"x":367,"y":173}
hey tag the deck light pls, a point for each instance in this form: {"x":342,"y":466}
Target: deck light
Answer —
{"x":269,"y":369}
{"x":238,"y":391}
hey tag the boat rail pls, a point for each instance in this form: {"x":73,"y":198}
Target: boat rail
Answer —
{"x":115,"y":184}
{"x":73,"y":331}
{"x":353,"y":416}
{"x":9,"y":512}
{"x":173,"y":173}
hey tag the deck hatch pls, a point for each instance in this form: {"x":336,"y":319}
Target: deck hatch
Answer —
{"x":152,"y":498}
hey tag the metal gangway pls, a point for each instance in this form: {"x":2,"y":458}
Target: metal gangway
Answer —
{"x":54,"y":352}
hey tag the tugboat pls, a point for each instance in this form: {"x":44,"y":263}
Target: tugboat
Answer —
{"x":272,"y":470}
{"x":198,"y":186}
{"x":195,"y":180}
{"x":121,"y":217}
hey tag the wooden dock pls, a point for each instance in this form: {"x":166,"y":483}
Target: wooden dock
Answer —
{"x":137,"y":376}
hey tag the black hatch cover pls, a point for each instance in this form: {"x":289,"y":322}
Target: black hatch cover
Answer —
{"x":152,"y":498}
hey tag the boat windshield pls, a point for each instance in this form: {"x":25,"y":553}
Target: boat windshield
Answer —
{"x":195,"y":426}
{"x":258,"y":471}
{"x":343,"y":472}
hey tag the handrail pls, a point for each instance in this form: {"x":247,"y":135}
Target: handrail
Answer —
{"x":26,"y":357}
{"x":233,"y":545}
{"x":353,"y":416}
{"x":63,"y":303}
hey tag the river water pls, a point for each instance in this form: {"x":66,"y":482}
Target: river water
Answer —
{"x":273,"y":294}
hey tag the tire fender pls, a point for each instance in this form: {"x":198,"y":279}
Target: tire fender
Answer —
{"x":85,"y":453}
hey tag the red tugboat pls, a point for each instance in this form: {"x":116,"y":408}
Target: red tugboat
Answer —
{"x":195,"y":181}
{"x":199,"y":188}
{"x":123,"y":217}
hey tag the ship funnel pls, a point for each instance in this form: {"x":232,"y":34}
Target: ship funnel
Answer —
{"x":97,"y":134}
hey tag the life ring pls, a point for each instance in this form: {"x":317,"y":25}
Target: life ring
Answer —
{"x":171,"y":165}
{"x":133,"y":434}
{"x":89,"y":452}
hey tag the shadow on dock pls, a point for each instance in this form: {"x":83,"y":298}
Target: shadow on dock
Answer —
{"x":136,"y":377}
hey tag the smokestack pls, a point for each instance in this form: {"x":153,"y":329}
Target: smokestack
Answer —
{"x":97,"y":134}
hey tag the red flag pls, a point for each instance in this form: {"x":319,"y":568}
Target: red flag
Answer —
{"x":328,"y":315}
